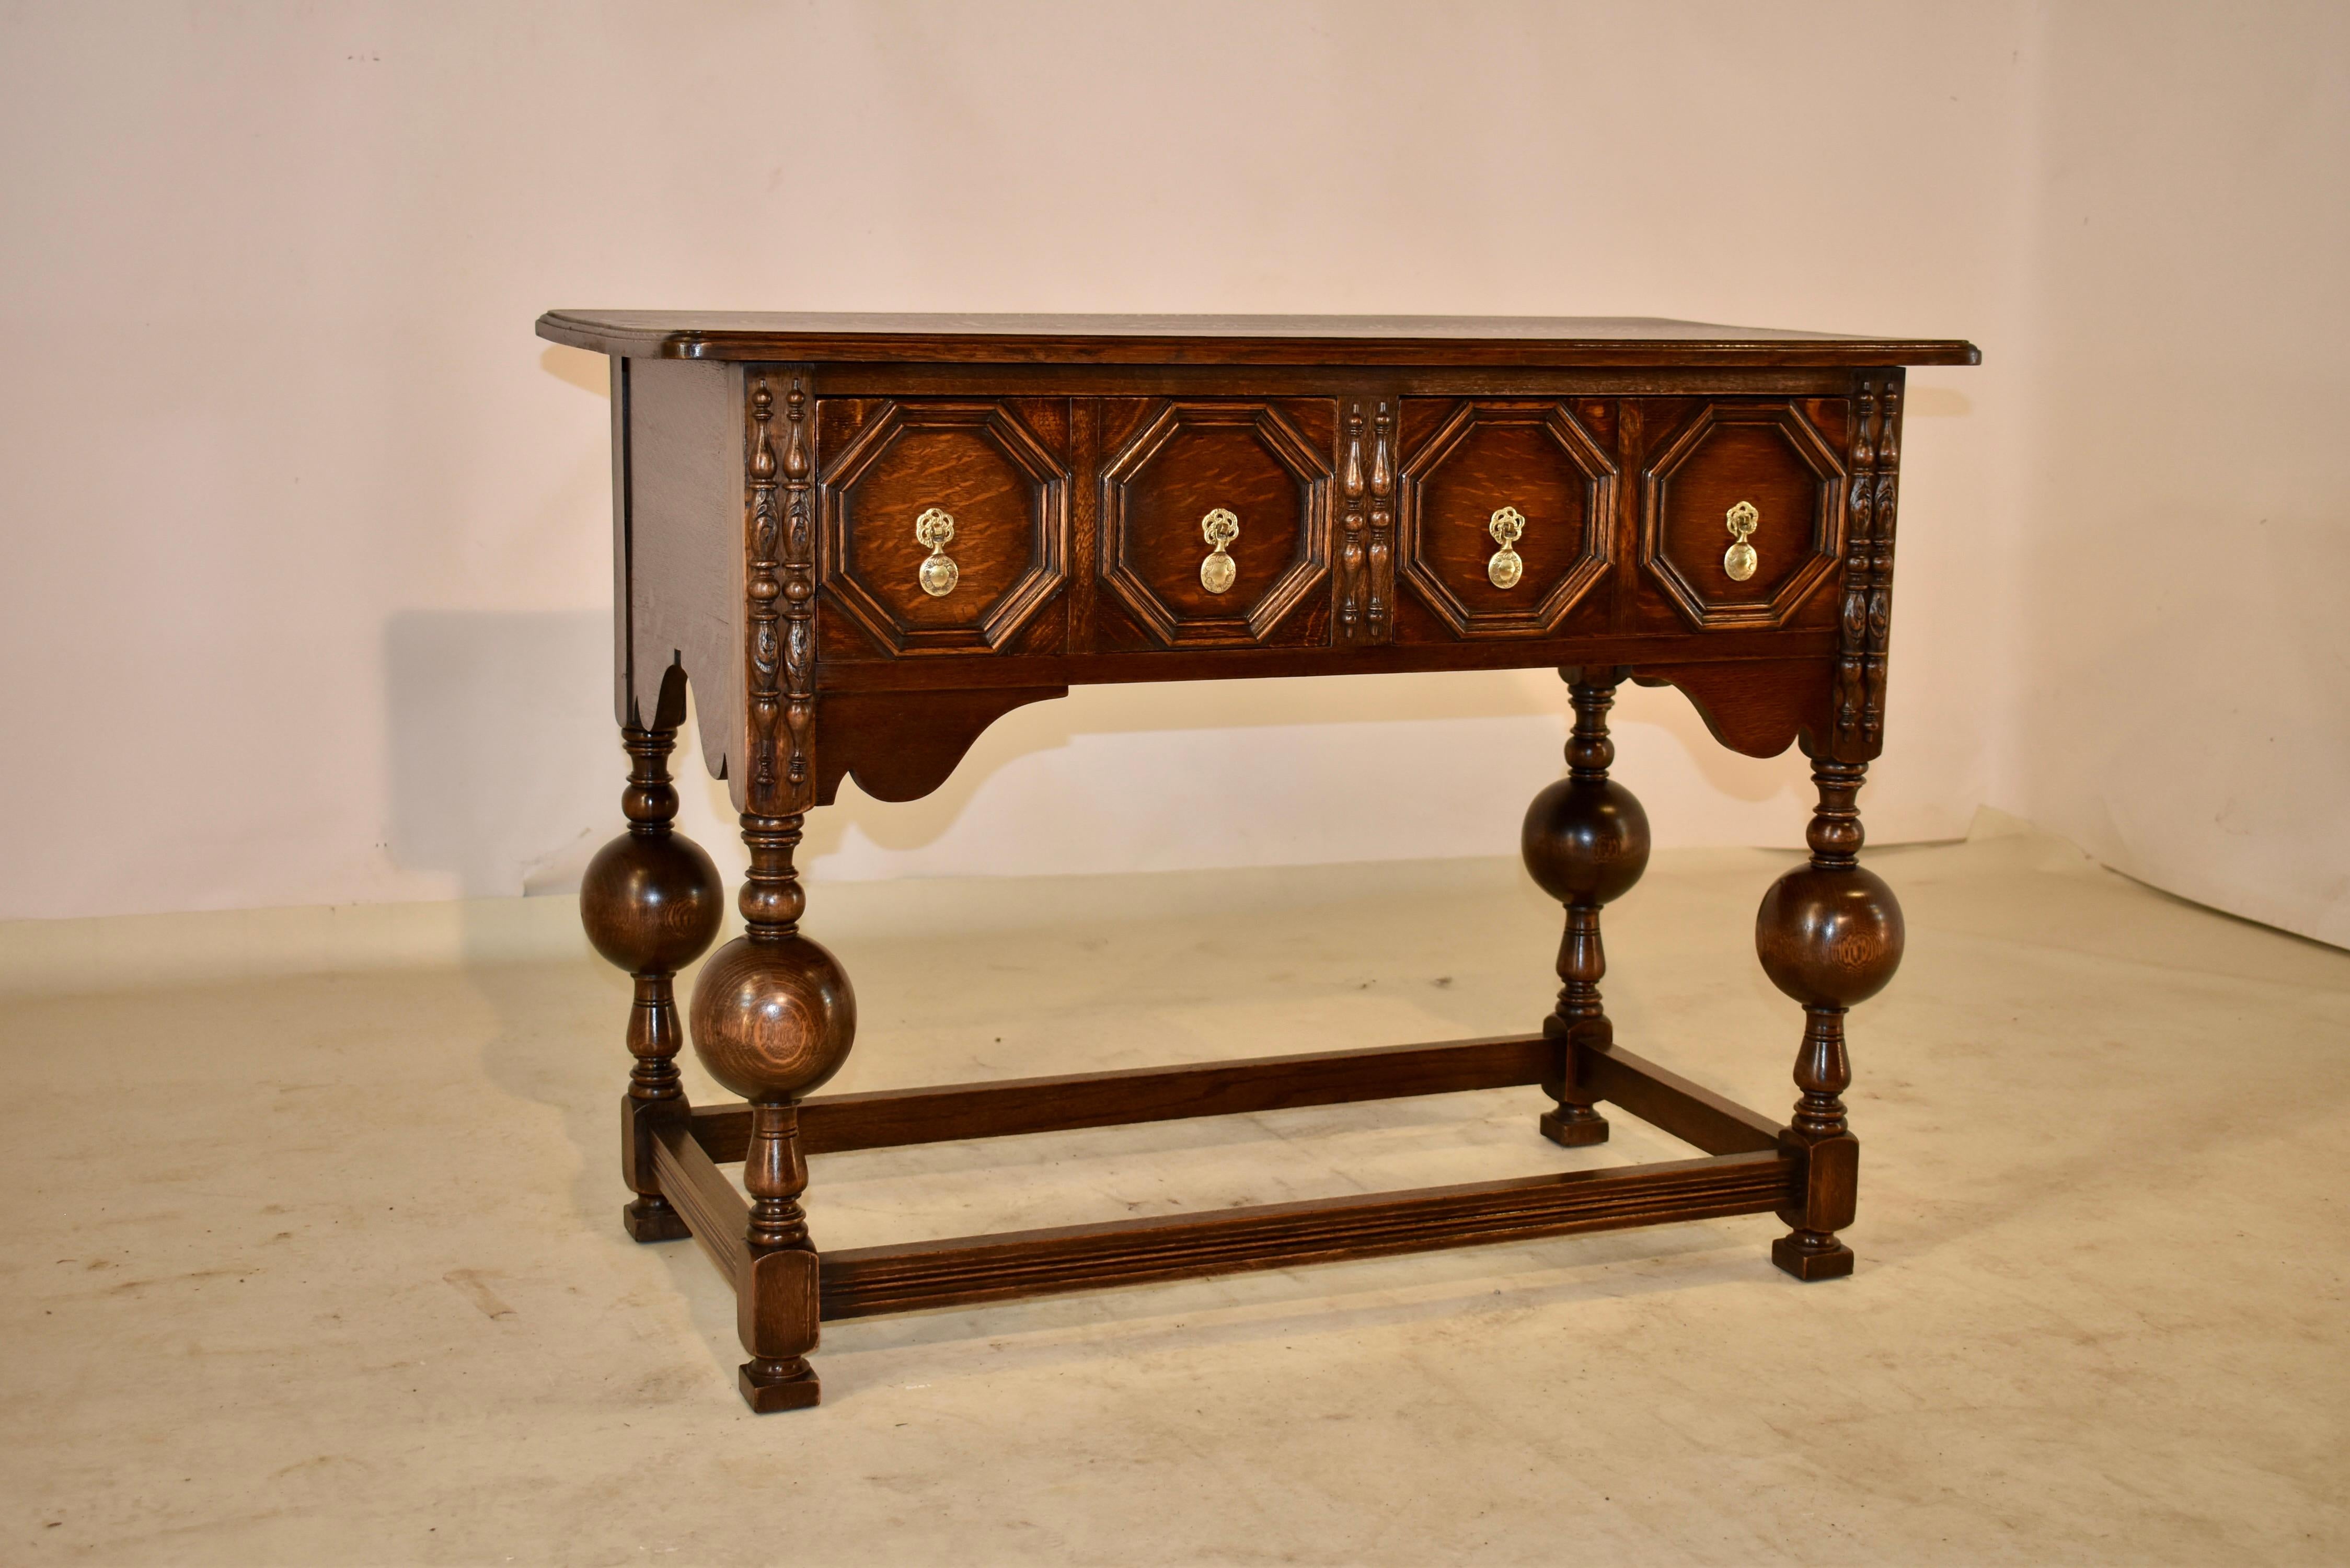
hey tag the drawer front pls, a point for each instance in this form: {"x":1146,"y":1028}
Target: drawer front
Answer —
{"x":1742,"y":512}
{"x":945,"y":523}
{"x":1507,"y":516}
{"x":1215,"y":521}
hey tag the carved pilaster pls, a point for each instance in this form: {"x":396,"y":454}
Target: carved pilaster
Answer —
{"x":1381,"y":564}
{"x":1880,"y":580}
{"x":1852,"y":650}
{"x":799,"y":599}
{"x":779,"y":587}
{"x":761,"y":589}
{"x":1866,"y":620}
{"x":1353,"y":610}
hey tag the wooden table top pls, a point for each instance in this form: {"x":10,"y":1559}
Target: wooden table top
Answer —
{"x":1463,"y":340}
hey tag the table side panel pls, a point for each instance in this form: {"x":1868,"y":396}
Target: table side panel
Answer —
{"x":679,"y":525}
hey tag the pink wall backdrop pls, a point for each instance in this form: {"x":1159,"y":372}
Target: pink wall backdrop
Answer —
{"x":304,"y":573}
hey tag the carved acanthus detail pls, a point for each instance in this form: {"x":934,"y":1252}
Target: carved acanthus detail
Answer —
{"x":1866,"y":619}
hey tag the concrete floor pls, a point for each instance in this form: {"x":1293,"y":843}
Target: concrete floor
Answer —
{"x":324,"y":1267}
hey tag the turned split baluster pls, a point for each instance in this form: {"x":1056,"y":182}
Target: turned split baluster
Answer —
{"x":774,"y":1017}
{"x":1585,"y":841}
{"x":650,"y":904}
{"x":1830,"y":936}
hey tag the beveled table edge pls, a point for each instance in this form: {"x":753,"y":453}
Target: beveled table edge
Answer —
{"x":1239,"y":340}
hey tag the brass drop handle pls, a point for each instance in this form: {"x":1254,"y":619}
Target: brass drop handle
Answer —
{"x":933,"y":530}
{"x":1220,"y":528}
{"x":1507,"y":526}
{"x":1739,"y":560}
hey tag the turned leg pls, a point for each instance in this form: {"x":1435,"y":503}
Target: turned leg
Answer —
{"x":1585,"y":841}
{"x":773,"y":1018}
{"x":1830,"y":936}
{"x":651,"y":903}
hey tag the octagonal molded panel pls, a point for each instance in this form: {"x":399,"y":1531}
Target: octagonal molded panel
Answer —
{"x":1770,"y":457}
{"x":1007,"y":494}
{"x":1536,"y":458}
{"x":1191,"y":458}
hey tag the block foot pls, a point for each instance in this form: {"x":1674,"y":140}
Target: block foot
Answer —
{"x":1574,"y":1126}
{"x":788,"y":1384}
{"x":652,"y":1219}
{"x":1811,"y":1259}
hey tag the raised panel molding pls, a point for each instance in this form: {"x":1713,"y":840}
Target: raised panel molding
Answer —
{"x":1287,"y":447}
{"x":1823,"y":546}
{"x":1584,"y":457}
{"x":993,"y":627}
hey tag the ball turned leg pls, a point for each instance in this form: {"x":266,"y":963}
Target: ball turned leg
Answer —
{"x":1830,"y":936}
{"x":651,"y":904}
{"x":774,"y":1017}
{"x":1585,"y":842}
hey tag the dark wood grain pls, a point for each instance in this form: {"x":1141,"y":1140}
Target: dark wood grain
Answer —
{"x":1610,"y":341}
{"x":901,"y":745}
{"x":651,"y":902}
{"x":1269,"y":464}
{"x":1830,"y":935}
{"x":1584,"y":841}
{"x":1150,"y":661}
{"x":1007,"y":493}
{"x":1866,"y":622}
{"x":1756,"y":707}
{"x":713,"y":1211}
{"x":1536,"y":459}
{"x":887,"y":1118}
{"x":1671,"y":1102}
{"x":768,"y":472}
{"x":1766,"y":455}
{"x":774,"y":776}
{"x":869,"y":1280}
{"x":1374,"y":384}
{"x":677,"y":546}
{"x":773,"y":1012}
{"x":1085,"y":531}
